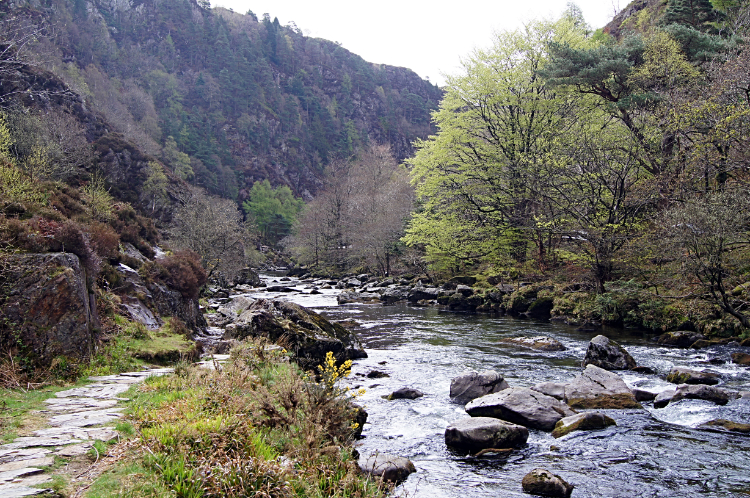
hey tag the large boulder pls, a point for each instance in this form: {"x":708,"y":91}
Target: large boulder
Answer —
{"x":479,"y":433}
{"x":542,"y":482}
{"x":521,"y":405}
{"x":587,"y":421}
{"x":471,"y":385}
{"x":46,"y":308}
{"x":679,"y":375}
{"x":388,"y":467}
{"x":307,"y":334}
{"x":599,"y":388}
{"x":607,"y":354}
{"x":247,"y":276}
{"x":554,"y":389}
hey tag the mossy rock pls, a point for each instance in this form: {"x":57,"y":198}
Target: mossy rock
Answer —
{"x":589,"y":421}
{"x":727,"y":425}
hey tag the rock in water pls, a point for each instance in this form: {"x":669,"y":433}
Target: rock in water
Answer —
{"x":405,"y":393}
{"x":589,"y":421}
{"x":554,"y":389}
{"x":707,"y":393}
{"x":681,"y":338}
{"x":307,"y":334}
{"x":607,"y":354}
{"x":471,"y":385}
{"x":521,"y":405}
{"x":680,"y":375}
{"x":479,"y":433}
{"x":390,"y":467}
{"x":663,"y":398}
{"x":538,"y":343}
{"x":598,"y":388}
{"x":544,"y":483}
{"x":727,"y":425}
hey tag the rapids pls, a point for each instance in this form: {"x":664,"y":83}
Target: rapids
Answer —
{"x":650,"y":453}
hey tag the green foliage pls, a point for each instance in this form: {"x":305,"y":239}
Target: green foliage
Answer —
{"x":272,"y":210}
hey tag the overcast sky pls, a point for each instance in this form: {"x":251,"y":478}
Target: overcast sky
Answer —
{"x":428,"y":37}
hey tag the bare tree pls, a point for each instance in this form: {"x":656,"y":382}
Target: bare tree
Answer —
{"x":213,"y":228}
{"x":18,"y":35}
{"x":359,"y":217}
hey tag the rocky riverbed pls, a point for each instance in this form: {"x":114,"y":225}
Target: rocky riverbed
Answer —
{"x":690,"y":446}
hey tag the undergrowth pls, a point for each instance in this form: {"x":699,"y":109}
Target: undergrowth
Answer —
{"x":257,"y":426}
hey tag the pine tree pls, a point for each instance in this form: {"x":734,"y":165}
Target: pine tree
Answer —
{"x":697,"y":14}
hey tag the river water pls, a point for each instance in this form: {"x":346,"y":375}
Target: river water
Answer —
{"x":657,"y":453}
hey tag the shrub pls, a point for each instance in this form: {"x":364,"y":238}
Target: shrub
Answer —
{"x":185,"y":273}
{"x":104,"y":240}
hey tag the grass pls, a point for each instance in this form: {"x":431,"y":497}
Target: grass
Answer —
{"x":258,"y":427}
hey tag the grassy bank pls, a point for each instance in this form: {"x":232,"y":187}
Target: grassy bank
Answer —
{"x":256,"y":427}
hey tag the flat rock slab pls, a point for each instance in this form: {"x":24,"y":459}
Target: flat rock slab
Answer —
{"x":479,"y":433}
{"x":84,"y":433}
{"x":15,"y":455}
{"x":87,"y":418}
{"x":79,"y":404}
{"x":389,"y":467}
{"x":522,"y":406}
{"x":598,"y":388}
{"x":12,"y":475}
{"x":16,"y":491}
{"x":34,"y":442}
{"x":74,"y":450}
{"x":100,"y":391}
{"x":20,"y":464}
{"x":148,"y":373}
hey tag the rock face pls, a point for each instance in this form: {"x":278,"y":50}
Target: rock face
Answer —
{"x":471,"y":385}
{"x":46,"y":307}
{"x":390,"y":467}
{"x":607,"y":354}
{"x":686,"y":376}
{"x":598,"y":388}
{"x":521,"y":405}
{"x":307,"y":334}
{"x":544,"y":483}
{"x":479,"y":433}
{"x":538,"y":343}
{"x":588,"y":421}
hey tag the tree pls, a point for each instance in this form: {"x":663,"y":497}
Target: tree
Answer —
{"x":698,"y":14}
{"x":476,"y":179}
{"x":272,"y":210}
{"x":212,"y":228}
{"x":358,"y":218}
{"x":711,"y":241}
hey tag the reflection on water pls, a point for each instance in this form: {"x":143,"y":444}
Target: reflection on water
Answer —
{"x":650,"y":453}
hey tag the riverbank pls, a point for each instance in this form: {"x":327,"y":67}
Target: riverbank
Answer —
{"x":253,"y":424}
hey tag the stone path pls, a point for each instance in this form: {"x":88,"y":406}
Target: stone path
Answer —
{"x":77,"y":418}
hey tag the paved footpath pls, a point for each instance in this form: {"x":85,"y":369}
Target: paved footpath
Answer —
{"x":77,"y":418}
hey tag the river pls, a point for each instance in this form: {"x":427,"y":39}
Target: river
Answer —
{"x":650,"y":453}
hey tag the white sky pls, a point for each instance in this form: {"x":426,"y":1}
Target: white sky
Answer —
{"x":428,"y":37}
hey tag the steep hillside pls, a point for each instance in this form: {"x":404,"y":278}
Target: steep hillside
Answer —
{"x":245,"y":99}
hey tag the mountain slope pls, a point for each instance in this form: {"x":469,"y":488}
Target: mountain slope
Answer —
{"x":244,"y":99}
